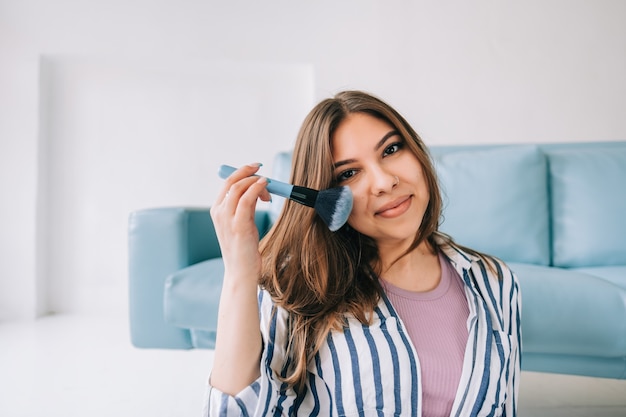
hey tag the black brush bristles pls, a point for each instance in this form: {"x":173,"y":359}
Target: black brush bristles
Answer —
{"x":332,"y":205}
{"x":342,"y":207}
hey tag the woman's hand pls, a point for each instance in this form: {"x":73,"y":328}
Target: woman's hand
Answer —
{"x":233,"y":217}
{"x":238,"y":342}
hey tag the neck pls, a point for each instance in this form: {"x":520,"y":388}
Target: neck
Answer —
{"x":419,"y":270}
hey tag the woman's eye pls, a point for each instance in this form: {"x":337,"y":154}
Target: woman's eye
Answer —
{"x":393,"y":148}
{"x":345,"y":175}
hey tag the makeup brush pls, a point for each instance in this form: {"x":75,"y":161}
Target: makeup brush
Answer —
{"x":332,"y":205}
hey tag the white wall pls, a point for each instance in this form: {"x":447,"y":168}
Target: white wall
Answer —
{"x":19,"y":82}
{"x":478,"y":71}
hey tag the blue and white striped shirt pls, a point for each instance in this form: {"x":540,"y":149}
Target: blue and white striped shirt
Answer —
{"x":374,"y":370}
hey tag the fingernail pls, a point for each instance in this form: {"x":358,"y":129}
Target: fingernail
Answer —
{"x":255,"y":165}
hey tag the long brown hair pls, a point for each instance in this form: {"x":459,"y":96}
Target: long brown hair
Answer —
{"x":318,"y":276}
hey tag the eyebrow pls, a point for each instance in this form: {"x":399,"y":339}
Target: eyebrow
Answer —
{"x":377,"y":147}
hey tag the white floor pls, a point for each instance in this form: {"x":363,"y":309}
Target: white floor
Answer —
{"x":69,"y":366}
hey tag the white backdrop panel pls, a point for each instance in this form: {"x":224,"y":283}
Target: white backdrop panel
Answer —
{"x":124,"y":135}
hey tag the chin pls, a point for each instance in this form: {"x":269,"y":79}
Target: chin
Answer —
{"x":398,"y":235}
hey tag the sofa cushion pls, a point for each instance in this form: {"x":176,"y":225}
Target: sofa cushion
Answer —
{"x":569,"y":313}
{"x":588,"y":206}
{"x":496,"y":200}
{"x":192,"y":295}
{"x":202,"y":339}
{"x":615,"y":274}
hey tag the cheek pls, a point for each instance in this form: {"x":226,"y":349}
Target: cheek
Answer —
{"x":359,"y":212}
{"x":359,"y":202}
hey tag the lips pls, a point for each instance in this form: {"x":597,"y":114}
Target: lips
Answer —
{"x":394,"y":208}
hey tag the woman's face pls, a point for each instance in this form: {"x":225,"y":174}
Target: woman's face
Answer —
{"x":386,"y":179}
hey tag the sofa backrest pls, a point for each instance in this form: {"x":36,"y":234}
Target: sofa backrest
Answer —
{"x":496,"y":200}
{"x":588,"y":200}
{"x":281,"y":171}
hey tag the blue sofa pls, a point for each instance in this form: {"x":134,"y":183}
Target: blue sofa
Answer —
{"x":555,"y":212}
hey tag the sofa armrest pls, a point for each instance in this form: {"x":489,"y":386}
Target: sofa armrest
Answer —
{"x":161,"y":242}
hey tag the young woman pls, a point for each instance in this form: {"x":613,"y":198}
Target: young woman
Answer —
{"x":386,"y":316}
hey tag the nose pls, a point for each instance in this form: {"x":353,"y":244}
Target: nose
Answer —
{"x":383,"y":182}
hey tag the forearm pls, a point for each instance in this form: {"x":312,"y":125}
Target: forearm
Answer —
{"x":238,"y":342}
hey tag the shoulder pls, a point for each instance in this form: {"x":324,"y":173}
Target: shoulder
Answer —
{"x":494,"y":281}
{"x":485,"y":266}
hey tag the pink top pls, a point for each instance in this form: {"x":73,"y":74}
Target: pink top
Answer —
{"x":436,"y":322}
